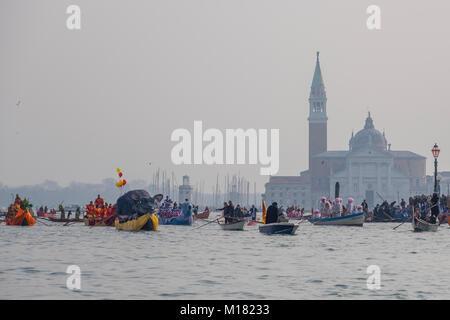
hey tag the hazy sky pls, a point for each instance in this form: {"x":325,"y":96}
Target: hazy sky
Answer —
{"x":110,"y":95}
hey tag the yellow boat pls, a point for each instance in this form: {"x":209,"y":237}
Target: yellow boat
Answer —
{"x":144,"y":222}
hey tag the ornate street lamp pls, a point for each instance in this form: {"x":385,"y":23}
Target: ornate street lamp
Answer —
{"x":435,"y":151}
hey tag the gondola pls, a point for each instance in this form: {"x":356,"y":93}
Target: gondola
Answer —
{"x":235,"y":226}
{"x":356,"y":220}
{"x":279,"y":228}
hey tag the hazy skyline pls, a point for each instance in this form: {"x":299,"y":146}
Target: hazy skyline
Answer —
{"x":110,"y":95}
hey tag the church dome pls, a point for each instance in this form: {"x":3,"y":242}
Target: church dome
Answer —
{"x":368,"y":138}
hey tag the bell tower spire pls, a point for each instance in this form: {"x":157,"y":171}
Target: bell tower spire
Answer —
{"x":317,"y":114}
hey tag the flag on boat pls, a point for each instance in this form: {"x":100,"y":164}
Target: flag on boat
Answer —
{"x":264,"y":212}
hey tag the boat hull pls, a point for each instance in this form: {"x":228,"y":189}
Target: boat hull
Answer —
{"x":355,"y":220}
{"x":235,"y":226}
{"x":203,"y":215}
{"x":253,"y":222}
{"x":64,"y":220}
{"x":177,"y":221}
{"x":278,"y":228}
{"x":420,"y":225}
{"x":134,"y":224}
{"x":108,"y":222}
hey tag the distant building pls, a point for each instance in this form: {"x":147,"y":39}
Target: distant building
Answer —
{"x":369,"y":170}
{"x":185,"y":190}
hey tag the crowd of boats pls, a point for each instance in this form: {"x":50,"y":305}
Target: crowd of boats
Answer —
{"x":136,"y":210}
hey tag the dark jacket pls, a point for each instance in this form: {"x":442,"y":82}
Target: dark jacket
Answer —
{"x":272,"y":214}
{"x":229,"y":211}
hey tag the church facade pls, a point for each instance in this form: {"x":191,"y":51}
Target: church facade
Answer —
{"x":369,"y":170}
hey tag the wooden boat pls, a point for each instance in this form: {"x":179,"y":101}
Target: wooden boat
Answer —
{"x":356,"y":219}
{"x":238,"y":225}
{"x":421,"y":225}
{"x":42,"y":214}
{"x":279,"y":228}
{"x":64,"y":220}
{"x":253,"y":222}
{"x":135,"y":224}
{"x":203,"y":215}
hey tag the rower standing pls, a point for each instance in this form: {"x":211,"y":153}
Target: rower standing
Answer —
{"x":229,"y":212}
{"x":99,"y":202}
{"x":272,"y":213}
{"x":253,"y":212}
{"x":187,"y":208}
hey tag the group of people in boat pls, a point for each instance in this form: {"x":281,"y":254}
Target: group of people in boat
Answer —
{"x":233,"y":214}
{"x":19,"y":212}
{"x":429,"y":208}
{"x":171,"y":209}
{"x":336,"y":208}
{"x":44,"y":211}
{"x":99,"y":209}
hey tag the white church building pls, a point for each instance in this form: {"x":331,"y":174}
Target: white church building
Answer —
{"x":369,"y":170}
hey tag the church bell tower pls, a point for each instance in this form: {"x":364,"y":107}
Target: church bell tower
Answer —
{"x":317,"y":115}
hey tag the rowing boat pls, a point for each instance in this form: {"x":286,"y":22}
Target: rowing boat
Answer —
{"x":279,"y":228}
{"x":236,"y":226}
{"x":64,"y":220}
{"x":42,"y":214}
{"x":356,"y":220}
{"x":136,"y":224}
{"x":203,"y":215}
{"x":253,"y":222}
{"x":421,"y":225}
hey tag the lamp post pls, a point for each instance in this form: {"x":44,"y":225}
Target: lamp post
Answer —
{"x":435,"y":151}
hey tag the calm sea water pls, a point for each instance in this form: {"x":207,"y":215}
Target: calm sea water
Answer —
{"x":178,"y":262}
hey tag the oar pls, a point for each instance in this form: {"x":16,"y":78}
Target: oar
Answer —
{"x":42,"y":222}
{"x":401,"y":224}
{"x":208,"y":223}
{"x":206,"y":220}
{"x":71,"y":222}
